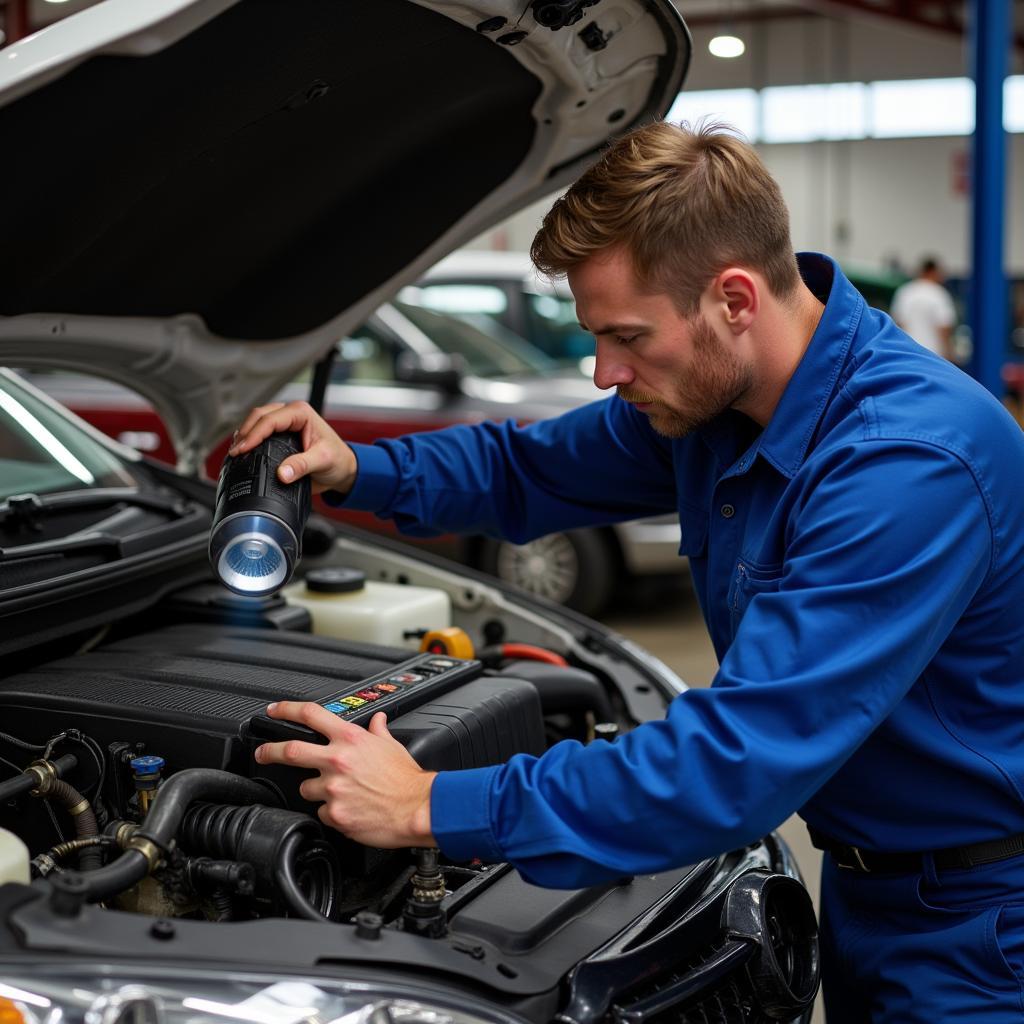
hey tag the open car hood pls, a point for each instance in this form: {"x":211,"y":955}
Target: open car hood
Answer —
{"x":204,"y":195}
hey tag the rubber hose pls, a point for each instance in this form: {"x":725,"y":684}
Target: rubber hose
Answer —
{"x":288,"y":886}
{"x":564,"y":689}
{"x":183,"y":788}
{"x":28,"y":781}
{"x":163,"y":820}
{"x":530,"y":652}
{"x":89,"y":857}
{"x":121,"y":874}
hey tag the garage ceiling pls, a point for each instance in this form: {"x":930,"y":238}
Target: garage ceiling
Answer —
{"x":947,"y":16}
{"x":19,"y":17}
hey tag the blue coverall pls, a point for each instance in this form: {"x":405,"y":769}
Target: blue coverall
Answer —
{"x":860,"y":566}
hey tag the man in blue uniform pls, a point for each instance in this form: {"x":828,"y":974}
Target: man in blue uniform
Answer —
{"x":853,"y":510}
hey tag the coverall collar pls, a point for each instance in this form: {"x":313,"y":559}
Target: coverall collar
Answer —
{"x":785,"y":439}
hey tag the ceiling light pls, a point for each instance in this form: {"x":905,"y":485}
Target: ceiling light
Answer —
{"x":726,"y":46}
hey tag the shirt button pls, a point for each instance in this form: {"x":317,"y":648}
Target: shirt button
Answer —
{"x":728,"y":511}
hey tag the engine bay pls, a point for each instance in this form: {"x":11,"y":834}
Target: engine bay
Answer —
{"x":139,"y":711}
{"x":150,"y":828}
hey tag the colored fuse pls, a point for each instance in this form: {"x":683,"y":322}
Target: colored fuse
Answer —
{"x":405,"y":677}
{"x":386,"y":687}
{"x":353,"y":702}
{"x":335,"y":708}
{"x":368,"y":695}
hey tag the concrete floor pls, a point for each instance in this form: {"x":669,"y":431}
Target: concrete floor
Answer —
{"x":663,"y":616}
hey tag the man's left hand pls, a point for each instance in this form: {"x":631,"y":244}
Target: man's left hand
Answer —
{"x":372,"y":790}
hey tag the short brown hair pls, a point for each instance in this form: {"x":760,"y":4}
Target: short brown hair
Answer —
{"x":686,"y":202}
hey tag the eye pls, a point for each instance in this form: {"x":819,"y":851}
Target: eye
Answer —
{"x":623,"y":340}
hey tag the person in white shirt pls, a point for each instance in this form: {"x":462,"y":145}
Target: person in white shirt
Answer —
{"x":924,"y":309}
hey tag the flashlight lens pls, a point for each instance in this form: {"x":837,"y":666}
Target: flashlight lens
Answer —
{"x":253,"y":561}
{"x":253,"y":558}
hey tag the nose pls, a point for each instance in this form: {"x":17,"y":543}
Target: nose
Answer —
{"x":611,"y":369}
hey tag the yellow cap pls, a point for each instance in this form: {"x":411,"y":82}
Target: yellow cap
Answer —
{"x":9,"y":1012}
{"x":451,"y":640}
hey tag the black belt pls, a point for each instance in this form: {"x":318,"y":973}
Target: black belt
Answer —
{"x":954,"y":858}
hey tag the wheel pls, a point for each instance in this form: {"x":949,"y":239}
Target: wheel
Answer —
{"x":577,"y":569}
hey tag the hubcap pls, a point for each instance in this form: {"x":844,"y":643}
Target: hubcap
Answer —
{"x":547,"y":566}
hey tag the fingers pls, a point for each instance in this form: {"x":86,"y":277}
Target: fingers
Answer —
{"x":318,"y":459}
{"x":315,"y":717}
{"x":294,"y":753}
{"x":250,"y":421}
{"x":298,"y":752}
{"x":265,"y":420}
{"x":367,"y":784}
{"x":326,"y":459}
{"x":379,"y":726}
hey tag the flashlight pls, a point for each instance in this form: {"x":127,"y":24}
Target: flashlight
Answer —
{"x":256,"y":537}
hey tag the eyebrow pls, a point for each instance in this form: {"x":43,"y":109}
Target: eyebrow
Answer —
{"x":622,"y":328}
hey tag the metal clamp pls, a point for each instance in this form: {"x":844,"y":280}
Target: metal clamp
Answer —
{"x":148,"y":849}
{"x":46,"y":774}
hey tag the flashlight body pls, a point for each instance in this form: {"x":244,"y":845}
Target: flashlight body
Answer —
{"x":256,"y":537}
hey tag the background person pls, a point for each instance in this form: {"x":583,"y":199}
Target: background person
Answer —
{"x":852,"y":514}
{"x":925,"y":310}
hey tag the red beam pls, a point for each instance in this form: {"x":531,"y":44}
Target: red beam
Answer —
{"x":16,"y":23}
{"x":908,"y":13}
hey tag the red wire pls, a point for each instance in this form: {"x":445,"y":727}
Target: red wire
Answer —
{"x":531,"y":653}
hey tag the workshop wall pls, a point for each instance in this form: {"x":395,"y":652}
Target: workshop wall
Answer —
{"x":869,"y":201}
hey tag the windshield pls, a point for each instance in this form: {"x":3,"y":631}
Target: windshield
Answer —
{"x":489,"y":349}
{"x":41,"y":452}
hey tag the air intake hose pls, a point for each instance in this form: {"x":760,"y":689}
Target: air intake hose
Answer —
{"x":286,"y":848}
{"x":161,"y":825}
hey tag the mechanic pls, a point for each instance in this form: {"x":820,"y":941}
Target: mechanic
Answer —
{"x":853,"y":511}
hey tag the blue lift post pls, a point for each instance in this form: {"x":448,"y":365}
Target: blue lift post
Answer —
{"x":987,"y":312}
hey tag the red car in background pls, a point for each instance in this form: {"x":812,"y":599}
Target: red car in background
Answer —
{"x":410,"y":368}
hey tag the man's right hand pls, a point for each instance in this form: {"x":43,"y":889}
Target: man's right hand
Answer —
{"x":328,"y":462}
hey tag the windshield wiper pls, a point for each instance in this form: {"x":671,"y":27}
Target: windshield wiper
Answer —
{"x":28,"y":509}
{"x":115,"y":536}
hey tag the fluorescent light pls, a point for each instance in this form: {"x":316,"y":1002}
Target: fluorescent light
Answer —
{"x":848,"y":110}
{"x":46,"y":441}
{"x":805,"y":113}
{"x":726,"y":46}
{"x":934,"y":106}
{"x":735,"y":107}
{"x":1013,"y":104}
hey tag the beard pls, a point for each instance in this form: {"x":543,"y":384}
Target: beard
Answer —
{"x":714,"y":381}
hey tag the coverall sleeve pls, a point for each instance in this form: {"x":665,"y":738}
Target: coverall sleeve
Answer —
{"x":600,"y":463}
{"x":887,"y":544}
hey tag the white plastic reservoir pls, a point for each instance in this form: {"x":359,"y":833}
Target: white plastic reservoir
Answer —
{"x":13,"y":858}
{"x":346,"y":605}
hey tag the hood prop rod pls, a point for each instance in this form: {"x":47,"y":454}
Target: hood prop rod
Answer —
{"x":321,"y":378}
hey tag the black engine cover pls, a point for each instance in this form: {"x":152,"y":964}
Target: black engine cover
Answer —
{"x":188,"y":692}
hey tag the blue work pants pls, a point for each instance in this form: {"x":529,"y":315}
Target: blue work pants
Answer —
{"x":927,"y":947}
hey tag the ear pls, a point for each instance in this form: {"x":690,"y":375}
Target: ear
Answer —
{"x":735,"y":296}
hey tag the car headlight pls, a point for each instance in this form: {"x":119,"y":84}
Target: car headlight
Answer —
{"x":88,"y":994}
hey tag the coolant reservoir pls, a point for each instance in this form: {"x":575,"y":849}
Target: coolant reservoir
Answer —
{"x":13,"y":858}
{"x":346,"y":605}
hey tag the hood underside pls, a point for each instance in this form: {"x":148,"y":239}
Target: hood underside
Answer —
{"x":266,"y":172}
